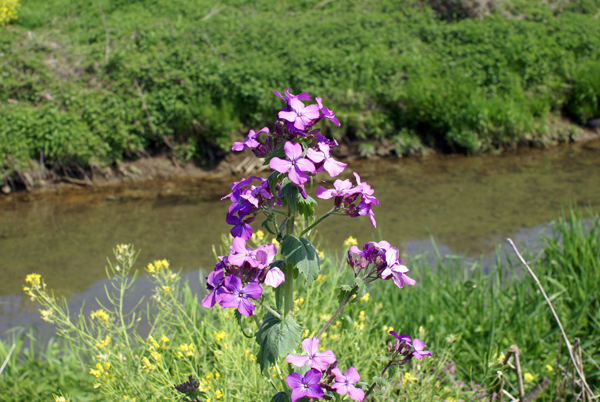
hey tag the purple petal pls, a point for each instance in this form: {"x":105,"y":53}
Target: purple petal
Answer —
{"x":310,"y":346}
{"x":293,"y":151}
{"x":297,"y":176}
{"x":274,"y":277}
{"x":418,"y":344}
{"x":252,"y":290}
{"x":234,"y":284}
{"x":304,"y":96}
{"x":281,"y":165}
{"x":210,"y":299}
{"x":238,"y":245}
{"x":229,"y":300}
{"x":352,"y":375}
{"x":323,"y":193}
{"x":356,"y":394}
{"x":311,"y":112}
{"x":321,"y":360}
{"x":294,"y":380}
{"x":312,"y":377}
{"x":298,"y":361}
{"x":238,"y":146}
{"x":246,"y":307}
{"x":296,"y":105}
{"x":305,"y":165}
{"x":314,"y":155}
{"x":281,"y":96}
{"x":334,"y":167}
{"x":289,"y":116}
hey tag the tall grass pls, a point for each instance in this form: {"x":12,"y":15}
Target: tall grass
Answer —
{"x":464,"y":316}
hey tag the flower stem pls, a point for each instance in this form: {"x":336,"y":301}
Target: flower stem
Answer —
{"x":270,"y":310}
{"x":337,"y":312}
{"x":372,"y":387}
{"x":315,"y":223}
{"x":289,"y":290}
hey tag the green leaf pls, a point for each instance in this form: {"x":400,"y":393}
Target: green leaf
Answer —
{"x":276,"y":339}
{"x":281,"y":397}
{"x":272,"y":180}
{"x":302,"y":255}
{"x":306,"y":207}
{"x":265,"y":224}
{"x":279,"y":290}
{"x":282,"y":227}
{"x":358,"y":288}
{"x":290,"y":193}
{"x":382,"y":382}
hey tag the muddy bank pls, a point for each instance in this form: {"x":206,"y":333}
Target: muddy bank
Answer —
{"x":148,"y":171}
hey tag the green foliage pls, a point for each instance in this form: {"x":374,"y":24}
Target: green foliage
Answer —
{"x":119,"y":77}
{"x":301,"y":254}
{"x":277,"y":338}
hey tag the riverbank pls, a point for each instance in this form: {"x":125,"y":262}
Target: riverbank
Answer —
{"x":152,"y":171}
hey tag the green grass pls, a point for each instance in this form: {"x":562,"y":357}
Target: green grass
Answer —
{"x":392,"y":71}
{"x":464,"y":316}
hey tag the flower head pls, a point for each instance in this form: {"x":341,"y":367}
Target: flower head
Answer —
{"x":307,"y":386}
{"x":236,"y":296}
{"x":315,"y":359}
{"x":343,"y":384}
{"x":300,"y":115}
{"x":250,"y":140}
{"x":295,"y":165}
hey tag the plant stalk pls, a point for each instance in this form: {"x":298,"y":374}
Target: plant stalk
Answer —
{"x":336,"y":313}
{"x":372,"y":387}
{"x":315,"y":223}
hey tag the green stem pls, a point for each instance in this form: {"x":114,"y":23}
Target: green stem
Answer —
{"x":372,"y":387}
{"x":337,"y":312}
{"x":270,"y":310}
{"x":315,"y":223}
{"x":289,"y":290}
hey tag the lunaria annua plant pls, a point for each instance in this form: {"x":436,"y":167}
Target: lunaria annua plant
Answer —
{"x":297,"y":151}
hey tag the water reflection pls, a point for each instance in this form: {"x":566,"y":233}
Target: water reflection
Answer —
{"x":468,"y":204}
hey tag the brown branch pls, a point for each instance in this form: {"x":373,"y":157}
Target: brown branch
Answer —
{"x":569,"y":348}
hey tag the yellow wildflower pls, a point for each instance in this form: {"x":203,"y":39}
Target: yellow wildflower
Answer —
{"x":146,"y":365}
{"x":305,"y":333}
{"x":46,"y":315}
{"x":500,"y":359}
{"x":321,"y":278}
{"x":163,"y":340}
{"x":258,"y":236}
{"x":218,"y":394}
{"x":103,"y":343}
{"x":365,"y":298}
{"x":100,"y":315}
{"x":166,"y":289}
{"x":408,"y":377}
{"x":320,"y":254}
{"x":219,"y":336}
{"x":187,"y":349}
{"x":151,"y":268}
{"x":528,"y":377}
{"x":153,"y":343}
{"x":350,"y":241}
{"x":155,"y":355}
{"x":549,"y":367}
{"x":97,"y":372}
{"x":59,"y":398}
{"x":361,"y":316}
{"x":299,"y":301}
{"x":34,"y":279}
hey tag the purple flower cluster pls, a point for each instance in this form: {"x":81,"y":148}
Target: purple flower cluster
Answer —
{"x":247,"y":200}
{"x":297,"y":120}
{"x":237,"y":277}
{"x":191,"y":390}
{"x":380,"y":260}
{"x":323,"y":374}
{"x":345,"y":196}
{"x":408,"y":348}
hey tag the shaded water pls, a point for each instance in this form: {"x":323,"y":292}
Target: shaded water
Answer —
{"x":468,"y":204}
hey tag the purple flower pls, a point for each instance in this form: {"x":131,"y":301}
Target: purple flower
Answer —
{"x":213,"y":284}
{"x":307,"y":386}
{"x":250,"y":140}
{"x":328,"y":114}
{"x":288,"y":95}
{"x":254,"y":193}
{"x":332,"y":166}
{"x":395,"y":270}
{"x":316,"y":360}
{"x":419,"y":353}
{"x":239,"y":203}
{"x":241,"y":254}
{"x":238,"y":185}
{"x":295,"y":165}
{"x":274,"y":277}
{"x":402,"y":338}
{"x":341,"y":188}
{"x":240,"y":227}
{"x":343,"y":384}
{"x":236,"y":296}
{"x":301,"y":116}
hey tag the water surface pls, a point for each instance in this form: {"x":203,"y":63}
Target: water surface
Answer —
{"x":468,"y":204}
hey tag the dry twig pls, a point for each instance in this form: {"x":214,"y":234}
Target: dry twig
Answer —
{"x":569,"y":347}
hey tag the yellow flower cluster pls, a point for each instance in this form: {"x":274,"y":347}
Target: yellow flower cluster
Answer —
{"x":219,"y":336}
{"x":146,"y":365}
{"x":99,"y":370}
{"x":248,"y":354}
{"x":103,"y":343}
{"x":8,"y":11}
{"x":157,"y":266}
{"x":101,"y":315}
{"x":408,"y":377}
{"x":187,"y":350}
{"x":46,"y":315}
{"x":320,"y":254}
{"x":350,"y":241}
{"x":321,"y":278}
{"x":387,"y":329}
{"x":258,"y":237}
{"x":365,"y":298}
{"x":205,"y":385}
